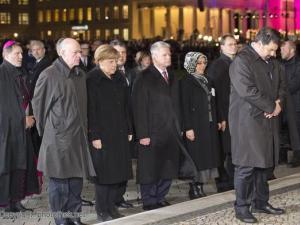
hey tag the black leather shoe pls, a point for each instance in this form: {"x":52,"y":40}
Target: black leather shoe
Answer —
{"x":246,"y":217}
{"x":17,"y":207}
{"x":124,"y":204}
{"x":78,"y":223}
{"x":115,"y":214}
{"x":163,"y":204}
{"x":87,"y":202}
{"x":194,"y":191}
{"x":150,"y":207}
{"x":102,"y":217}
{"x":268,"y":209}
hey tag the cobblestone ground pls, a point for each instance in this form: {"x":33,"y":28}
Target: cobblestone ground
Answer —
{"x":290,"y":201}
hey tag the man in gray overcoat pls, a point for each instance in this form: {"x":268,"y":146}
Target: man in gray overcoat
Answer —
{"x":256,"y":98}
{"x":60,"y":109}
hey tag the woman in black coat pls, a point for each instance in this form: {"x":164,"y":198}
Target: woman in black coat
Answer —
{"x":109,"y":130}
{"x":199,"y":121}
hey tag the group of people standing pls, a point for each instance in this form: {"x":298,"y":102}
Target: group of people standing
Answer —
{"x":223,"y":121}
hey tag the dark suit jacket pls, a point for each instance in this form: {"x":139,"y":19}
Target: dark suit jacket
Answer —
{"x":35,"y":71}
{"x":90,"y":64}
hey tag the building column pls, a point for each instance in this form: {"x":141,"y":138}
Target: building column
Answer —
{"x":230,"y":21}
{"x":168,"y":22}
{"x":195,"y":18}
{"x":141,"y":22}
{"x":207,"y":22}
{"x":152,"y":22}
{"x":220,"y":22}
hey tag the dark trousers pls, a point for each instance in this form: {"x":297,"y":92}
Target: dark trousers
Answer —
{"x":156,"y":192}
{"x":105,"y":197}
{"x":251,"y":187}
{"x":64,"y":196}
{"x":226,"y":174}
{"x":120,"y":192}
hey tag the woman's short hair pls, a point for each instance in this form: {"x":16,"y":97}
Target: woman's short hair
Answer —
{"x":105,"y":52}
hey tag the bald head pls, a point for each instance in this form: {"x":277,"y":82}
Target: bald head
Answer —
{"x":288,"y":50}
{"x":70,"y":52}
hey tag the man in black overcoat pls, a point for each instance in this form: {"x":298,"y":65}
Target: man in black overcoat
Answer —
{"x":219,"y":73}
{"x":18,"y":175}
{"x":291,"y":63}
{"x":257,"y":94}
{"x":128,"y":79}
{"x":155,"y":100}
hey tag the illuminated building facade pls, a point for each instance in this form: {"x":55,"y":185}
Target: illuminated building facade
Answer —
{"x":135,"y":19}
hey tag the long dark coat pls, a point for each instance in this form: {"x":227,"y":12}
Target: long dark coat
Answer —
{"x":292,"y":110}
{"x":204,"y":150}
{"x":109,"y":121}
{"x":60,"y":108}
{"x":256,"y":85}
{"x":155,"y":110}
{"x":12,"y":122}
{"x":219,"y":74}
{"x":16,"y":150}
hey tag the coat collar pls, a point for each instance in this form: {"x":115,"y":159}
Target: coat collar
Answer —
{"x":100,"y":74}
{"x":226,"y":58}
{"x":15,"y":71}
{"x":64,"y":68}
{"x":157,"y":73}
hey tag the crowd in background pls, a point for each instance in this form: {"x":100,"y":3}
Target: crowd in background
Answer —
{"x":90,"y":108}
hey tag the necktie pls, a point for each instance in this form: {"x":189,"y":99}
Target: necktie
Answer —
{"x":165,"y":76}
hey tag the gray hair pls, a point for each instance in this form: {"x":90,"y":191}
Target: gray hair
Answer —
{"x":37,"y":43}
{"x":58,"y":45}
{"x":158,"y":45}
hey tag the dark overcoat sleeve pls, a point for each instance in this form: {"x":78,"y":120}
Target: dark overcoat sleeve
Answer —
{"x":216,"y":74}
{"x":243,"y":82}
{"x":140,"y":104}
{"x":44,"y":96}
{"x":94,"y":124}
{"x":185,"y":102}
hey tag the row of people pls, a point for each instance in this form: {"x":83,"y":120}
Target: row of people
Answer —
{"x":73,"y":114}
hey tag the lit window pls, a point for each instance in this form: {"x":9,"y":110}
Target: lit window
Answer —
{"x":116,"y":31}
{"x":89,"y":14}
{"x":125,"y":11}
{"x":23,"y":2}
{"x":98,"y":14}
{"x":80,"y":14}
{"x":56,"y":15}
{"x":64,"y":15}
{"x":106,"y":13}
{"x":40,"y":16}
{"x":107,"y":33}
{"x":49,"y":32}
{"x":98,"y":33}
{"x":48,"y":15}
{"x":116,"y":12}
{"x":72,"y":14}
{"x":126,"y":34}
{"x":23,"y":18}
{"x":4,"y":1}
{"x":4,"y":18}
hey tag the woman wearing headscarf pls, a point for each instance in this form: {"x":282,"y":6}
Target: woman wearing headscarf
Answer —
{"x":199,"y":121}
{"x":109,"y":130}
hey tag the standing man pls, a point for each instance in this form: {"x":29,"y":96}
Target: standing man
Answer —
{"x":291,"y":63}
{"x":219,"y":73}
{"x":155,"y":100}
{"x":60,"y":108}
{"x":86,"y":60}
{"x":18,"y":175}
{"x":42,"y":61}
{"x":129,"y":77}
{"x":256,"y":98}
